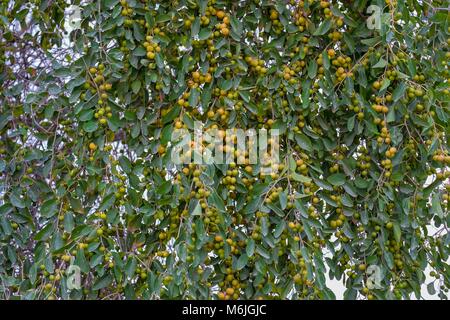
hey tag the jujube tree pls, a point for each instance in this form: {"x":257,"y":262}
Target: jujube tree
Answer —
{"x":87,"y":177}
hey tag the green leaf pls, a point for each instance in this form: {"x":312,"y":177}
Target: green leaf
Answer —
{"x":204,"y":34}
{"x":44,"y":233}
{"x":111,"y":3}
{"x":312,"y":69}
{"x":300,"y":177}
{"x":397,"y":232}
{"x":337,"y":179}
{"x":386,"y":83}
{"x":49,"y":208}
{"x":245,"y":96}
{"x":195,"y":27}
{"x":172,"y":114}
{"x":304,"y":142}
{"x":431,"y":289}
{"x":241,"y":262}
{"x":103,"y":282}
{"x":349,"y":42}
{"x":217,"y":201}
{"x":130,"y":267}
{"x":283,"y":199}
{"x":17,"y":201}
{"x":351,"y":123}
{"x":107,"y":202}
{"x":69,"y":222}
{"x":436,"y":205}
{"x":279,"y":229}
{"x":323,"y":28}
{"x":80,"y":261}
{"x":380,"y":64}
{"x":86,"y":115}
{"x":399,"y":91}
{"x":90,"y":126}
{"x":250,"y":248}
{"x":125,"y":164}
{"x":193,"y":97}
{"x":136,"y":86}
{"x":197,"y":210}
{"x":236,"y":26}
{"x":164,"y":188}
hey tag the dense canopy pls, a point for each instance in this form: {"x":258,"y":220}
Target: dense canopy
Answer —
{"x":359,"y":91}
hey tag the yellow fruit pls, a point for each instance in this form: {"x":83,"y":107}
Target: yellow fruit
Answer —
{"x":230,"y":291}
{"x":273,"y":15}
{"x":220,"y":14}
{"x":376,"y":85}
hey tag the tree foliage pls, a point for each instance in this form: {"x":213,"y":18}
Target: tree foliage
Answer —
{"x":85,"y":163}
